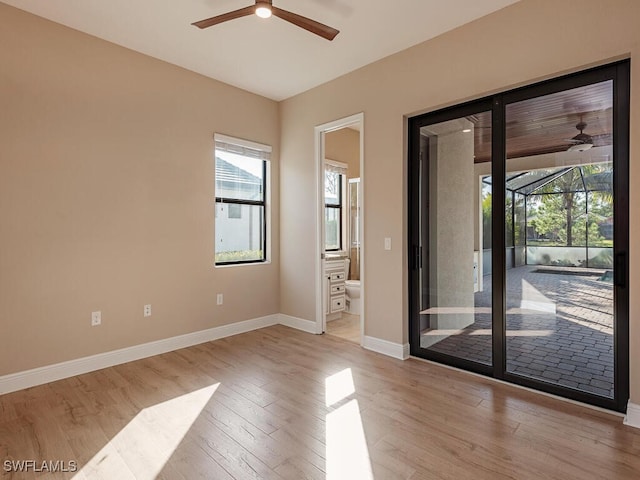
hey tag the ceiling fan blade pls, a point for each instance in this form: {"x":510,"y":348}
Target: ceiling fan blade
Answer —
{"x":243,"y":12}
{"x":303,"y":22}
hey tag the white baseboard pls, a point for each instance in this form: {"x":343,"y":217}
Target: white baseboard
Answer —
{"x":58,"y":371}
{"x":51,"y":373}
{"x":297,"y":323}
{"x":395,"y":350}
{"x":632,"y":418}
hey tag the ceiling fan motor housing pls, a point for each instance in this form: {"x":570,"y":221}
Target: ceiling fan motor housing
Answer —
{"x":582,"y":137}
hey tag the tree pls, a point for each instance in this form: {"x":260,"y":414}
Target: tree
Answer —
{"x":546,"y":216}
{"x":567,"y":212}
{"x":486,"y":216}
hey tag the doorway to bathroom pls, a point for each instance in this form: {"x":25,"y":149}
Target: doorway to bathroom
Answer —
{"x":339,"y":246}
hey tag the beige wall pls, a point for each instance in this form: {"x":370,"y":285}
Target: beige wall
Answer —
{"x":528,"y":41}
{"x":106,"y":196}
{"x":343,"y":145}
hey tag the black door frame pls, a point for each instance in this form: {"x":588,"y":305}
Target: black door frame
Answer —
{"x":619,"y":72}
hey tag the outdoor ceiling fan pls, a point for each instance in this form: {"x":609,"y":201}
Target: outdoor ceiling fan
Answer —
{"x":581,"y":141}
{"x":264,"y":9}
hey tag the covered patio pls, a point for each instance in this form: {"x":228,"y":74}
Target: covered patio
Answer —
{"x":559,"y":327}
{"x":559,"y":291}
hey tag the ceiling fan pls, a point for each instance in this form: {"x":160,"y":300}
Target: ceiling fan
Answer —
{"x":583,"y":141}
{"x":264,"y":9}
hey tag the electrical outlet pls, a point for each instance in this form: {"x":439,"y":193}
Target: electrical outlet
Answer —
{"x":147,"y":310}
{"x":219,"y":299}
{"x":96,"y":318}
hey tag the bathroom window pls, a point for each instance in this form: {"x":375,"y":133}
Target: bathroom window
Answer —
{"x":334,"y":179}
{"x":241,"y":178}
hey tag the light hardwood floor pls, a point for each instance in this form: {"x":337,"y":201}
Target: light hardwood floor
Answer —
{"x":347,"y":327}
{"x":282,"y":404}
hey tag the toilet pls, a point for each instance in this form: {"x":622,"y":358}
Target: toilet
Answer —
{"x":352,"y":288}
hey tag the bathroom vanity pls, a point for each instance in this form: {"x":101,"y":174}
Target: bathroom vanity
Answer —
{"x":334,"y":282}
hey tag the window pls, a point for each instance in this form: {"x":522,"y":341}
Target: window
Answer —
{"x":334,"y":176}
{"x":234,"y":210}
{"x":240,"y":188}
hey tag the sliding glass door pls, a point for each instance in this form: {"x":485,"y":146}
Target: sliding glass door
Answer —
{"x":452,"y":243}
{"x":518,"y":234}
{"x":560,"y":234}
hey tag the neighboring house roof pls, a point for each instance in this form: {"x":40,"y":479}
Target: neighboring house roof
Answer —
{"x":233,"y":178}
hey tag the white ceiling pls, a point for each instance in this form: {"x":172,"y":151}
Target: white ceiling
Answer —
{"x":268,"y":57}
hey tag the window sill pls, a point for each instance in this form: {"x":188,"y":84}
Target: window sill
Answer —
{"x":248,"y":264}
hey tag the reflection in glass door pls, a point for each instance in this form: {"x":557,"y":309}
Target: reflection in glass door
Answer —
{"x":454,"y":254}
{"x":560,"y":206}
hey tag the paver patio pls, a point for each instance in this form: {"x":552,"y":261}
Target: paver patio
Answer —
{"x":559,"y":327}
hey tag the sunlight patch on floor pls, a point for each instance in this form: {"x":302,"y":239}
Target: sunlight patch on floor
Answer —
{"x":338,"y":387}
{"x":534,"y":299}
{"x":142,"y":448}
{"x":347,"y":452}
{"x":487,"y":332}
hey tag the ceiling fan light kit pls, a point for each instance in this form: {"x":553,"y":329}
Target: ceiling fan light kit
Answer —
{"x":265,"y":9}
{"x":581,"y":147}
